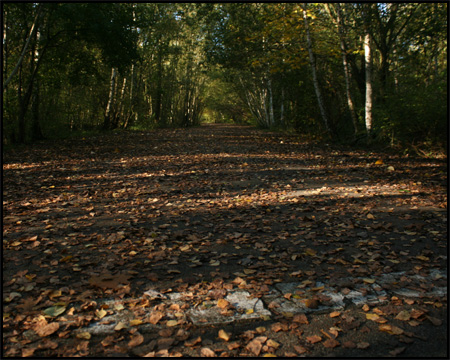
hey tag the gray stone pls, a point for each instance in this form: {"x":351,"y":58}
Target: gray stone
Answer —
{"x":241,"y":300}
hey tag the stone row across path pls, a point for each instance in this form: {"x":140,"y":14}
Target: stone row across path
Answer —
{"x":286,"y":299}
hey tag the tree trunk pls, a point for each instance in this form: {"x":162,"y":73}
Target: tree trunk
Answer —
{"x":109,"y":106}
{"x":312,"y":62}
{"x":25,"y":47}
{"x":368,"y":65}
{"x":347,"y":74}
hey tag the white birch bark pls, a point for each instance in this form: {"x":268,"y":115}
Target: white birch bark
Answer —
{"x":368,"y":65}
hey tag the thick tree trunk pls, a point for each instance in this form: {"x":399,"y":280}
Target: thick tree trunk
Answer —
{"x":312,"y":62}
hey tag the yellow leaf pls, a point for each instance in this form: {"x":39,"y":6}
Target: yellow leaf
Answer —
{"x":120,"y":326}
{"x":379,"y":162}
{"x":224,"y":335}
{"x":66,"y":258}
{"x":136,"y":322}
{"x":84,"y":335}
{"x":100,"y":313}
{"x":376,"y":318}
{"x":369,"y":281}
{"x":423,"y":258}
{"x":222,"y":303}
{"x":249,"y":311}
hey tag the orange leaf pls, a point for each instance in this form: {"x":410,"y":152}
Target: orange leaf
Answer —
{"x":136,"y":340}
{"x":222,"y":303}
{"x":155,"y":317}
{"x":314,"y":339}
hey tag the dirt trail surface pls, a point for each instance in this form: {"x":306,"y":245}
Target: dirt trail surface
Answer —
{"x":222,"y":241}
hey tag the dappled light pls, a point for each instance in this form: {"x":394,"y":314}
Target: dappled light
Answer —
{"x":279,"y":246}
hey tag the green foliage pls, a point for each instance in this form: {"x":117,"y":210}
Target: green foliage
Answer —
{"x":178,"y":64}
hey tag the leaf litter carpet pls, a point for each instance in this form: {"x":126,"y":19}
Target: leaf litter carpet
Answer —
{"x":222,"y":240}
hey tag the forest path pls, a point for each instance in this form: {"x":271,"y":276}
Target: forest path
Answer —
{"x":210,"y":211}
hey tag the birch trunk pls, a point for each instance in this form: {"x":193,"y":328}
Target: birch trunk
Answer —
{"x":347,"y":76}
{"x":368,"y":65}
{"x":24,"y":50}
{"x":312,"y":62}
{"x":110,"y":104}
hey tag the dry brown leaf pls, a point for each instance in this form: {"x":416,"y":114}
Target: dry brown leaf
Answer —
{"x":335,"y":314}
{"x":233,"y":345}
{"x":136,"y":340}
{"x":311,"y":303}
{"x":403,"y":315}
{"x":391,"y":329}
{"x":362,"y":345}
{"x":224,"y":335}
{"x":155,"y":316}
{"x":435,"y":321}
{"x":223,"y":304}
{"x":27,"y":352}
{"x":397,"y":351}
{"x":47,"y":329}
{"x":300,"y":349}
{"x":207,"y":352}
{"x":376,"y":318}
{"x":330,"y":343}
{"x":314,"y":339}
{"x":193,"y":342}
{"x":300,"y":319}
{"x":254,"y":346}
{"x":272,"y":343}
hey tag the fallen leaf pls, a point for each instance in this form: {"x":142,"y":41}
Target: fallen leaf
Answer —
{"x":233,"y":345}
{"x":136,"y":340}
{"x":330,"y":343}
{"x":362,"y":345}
{"x":403,"y":315}
{"x":300,"y":318}
{"x":254,"y":346}
{"x":300,"y":349}
{"x":136,"y":322}
{"x":171,"y":323}
{"x":223,"y":304}
{"x":100,"y":313}
{"x":84,"y":335}
{"x":54,"y":311}
{"x":397,"y":351}
{"x":193,"y":342}
{"x":311,"y":303}
{"x":120,"y":326}
{"x":369,"y":281}
{"x":376,"y":318}
{"x":47,"y":329}
{"x":27,"y":352}
{"x":391,"y":329}
{"x":435,"y":321}
{"x":155,"y":316}
{"x":224,"y":335}
{"x":335,"y":314}
{"x":314,"y":339}
{"x":207,"y":352}
{"x":272,"y":343}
